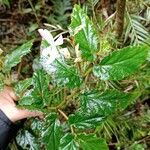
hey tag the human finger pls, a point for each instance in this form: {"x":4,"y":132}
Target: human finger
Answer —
{"x":11,"y":93}
{"x":5,"y":97}
{"x":24,"y":113}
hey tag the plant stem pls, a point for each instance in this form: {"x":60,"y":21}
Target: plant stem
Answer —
{"x":63,"y":114}
{"x":72,"y":130}
{"x":66,"y":118}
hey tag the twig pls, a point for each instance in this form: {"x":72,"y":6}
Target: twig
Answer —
{"x":63,"y":114}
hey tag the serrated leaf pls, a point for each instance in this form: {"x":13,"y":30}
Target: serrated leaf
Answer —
{"x":122,"y":63}
{"x":84,"y":120}
{"x":105,"y":103}
{"x":41,"y":90}
{"x":91,"y":142}
{"x":96,"y":107}
{"x":68,"y":142}
{"x":27,"y":141}
{"x":21,"y":87}
{"x":14,"y":58}
{"x":39,"y":96}
{"x":66,"y":75}
{"x":52,"y":132}
{"x":84,"y":33}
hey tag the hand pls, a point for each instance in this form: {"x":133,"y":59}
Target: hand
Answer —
{"x":8,"y":106}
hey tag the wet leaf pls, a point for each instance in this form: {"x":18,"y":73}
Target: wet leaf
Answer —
{"x":68,"y":142}
{"x":22,"y":86}
{"x":66,"y":75}
{"x":83,"y":120}
{"x":14,"y":58}
{"x":38,"y":97}
{"x":52,"y":132}
{"x":106,"y":103}
{"x":121,"y":63}
{"x":84,"y":33}
{"x":96,"y":107}
{"x":27,"y":141}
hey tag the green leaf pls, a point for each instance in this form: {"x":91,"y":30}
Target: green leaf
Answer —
{"x":122,"y":63}
{"x":84,"y":33}
{"x":27,"y":141}
{"x":135,"y":30}
{"x":66,"y":75}
{"x":60,"y":16}
{"x":68,"y":142}
{"x":52,"y":132}
{"x":105,"y":103}
{"x":137,"y":146}
{"x":39,"y":96}
{"x":96,"y":107}
{"x":15,"y":57}
{"x":83,"y":120}
{"x":28,"y":101}
{"x":91,"y":142}
{"x":22,"y":86}
{"x":41,"y":86}
{"x":36,"y":126}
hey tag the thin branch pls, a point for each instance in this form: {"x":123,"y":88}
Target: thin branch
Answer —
{"x":63,"y":114}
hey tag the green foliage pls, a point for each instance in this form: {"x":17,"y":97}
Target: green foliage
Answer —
{"x":52,"y":132}
{"x":95,"y":107}
{"x":68,"y":142}
{"x":66,"y":75}
{"x":60,"y":14}
{"x":135,"y":30}
{"x":26,"y":140}
{"x":5,"y":2}
{"x":22,"y":86}
{"x":86,"y":142}
{"x":89,"y":142}
{"x":82,"y":120}
{"x":14,"y":58}
{"x":38,"y":97}
{"x":92,"y":82}
{"x":121,"y":63}
{"x":84,"y":33}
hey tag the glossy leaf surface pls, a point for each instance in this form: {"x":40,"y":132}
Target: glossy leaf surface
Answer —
{"x":38,"y":97}
{"x":119,"y":64}
{"x":95,"y":107}
{"x":84,"y":33}
{"x":14,"y":58}
{"x":105,"y":103}
{"x":27,"y":141}
{"x":66,"y":75}
{"x":68,"y":142}
{"x":52,"y":132}
{"x":22,"y":86}
{"x":84,"y":120}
